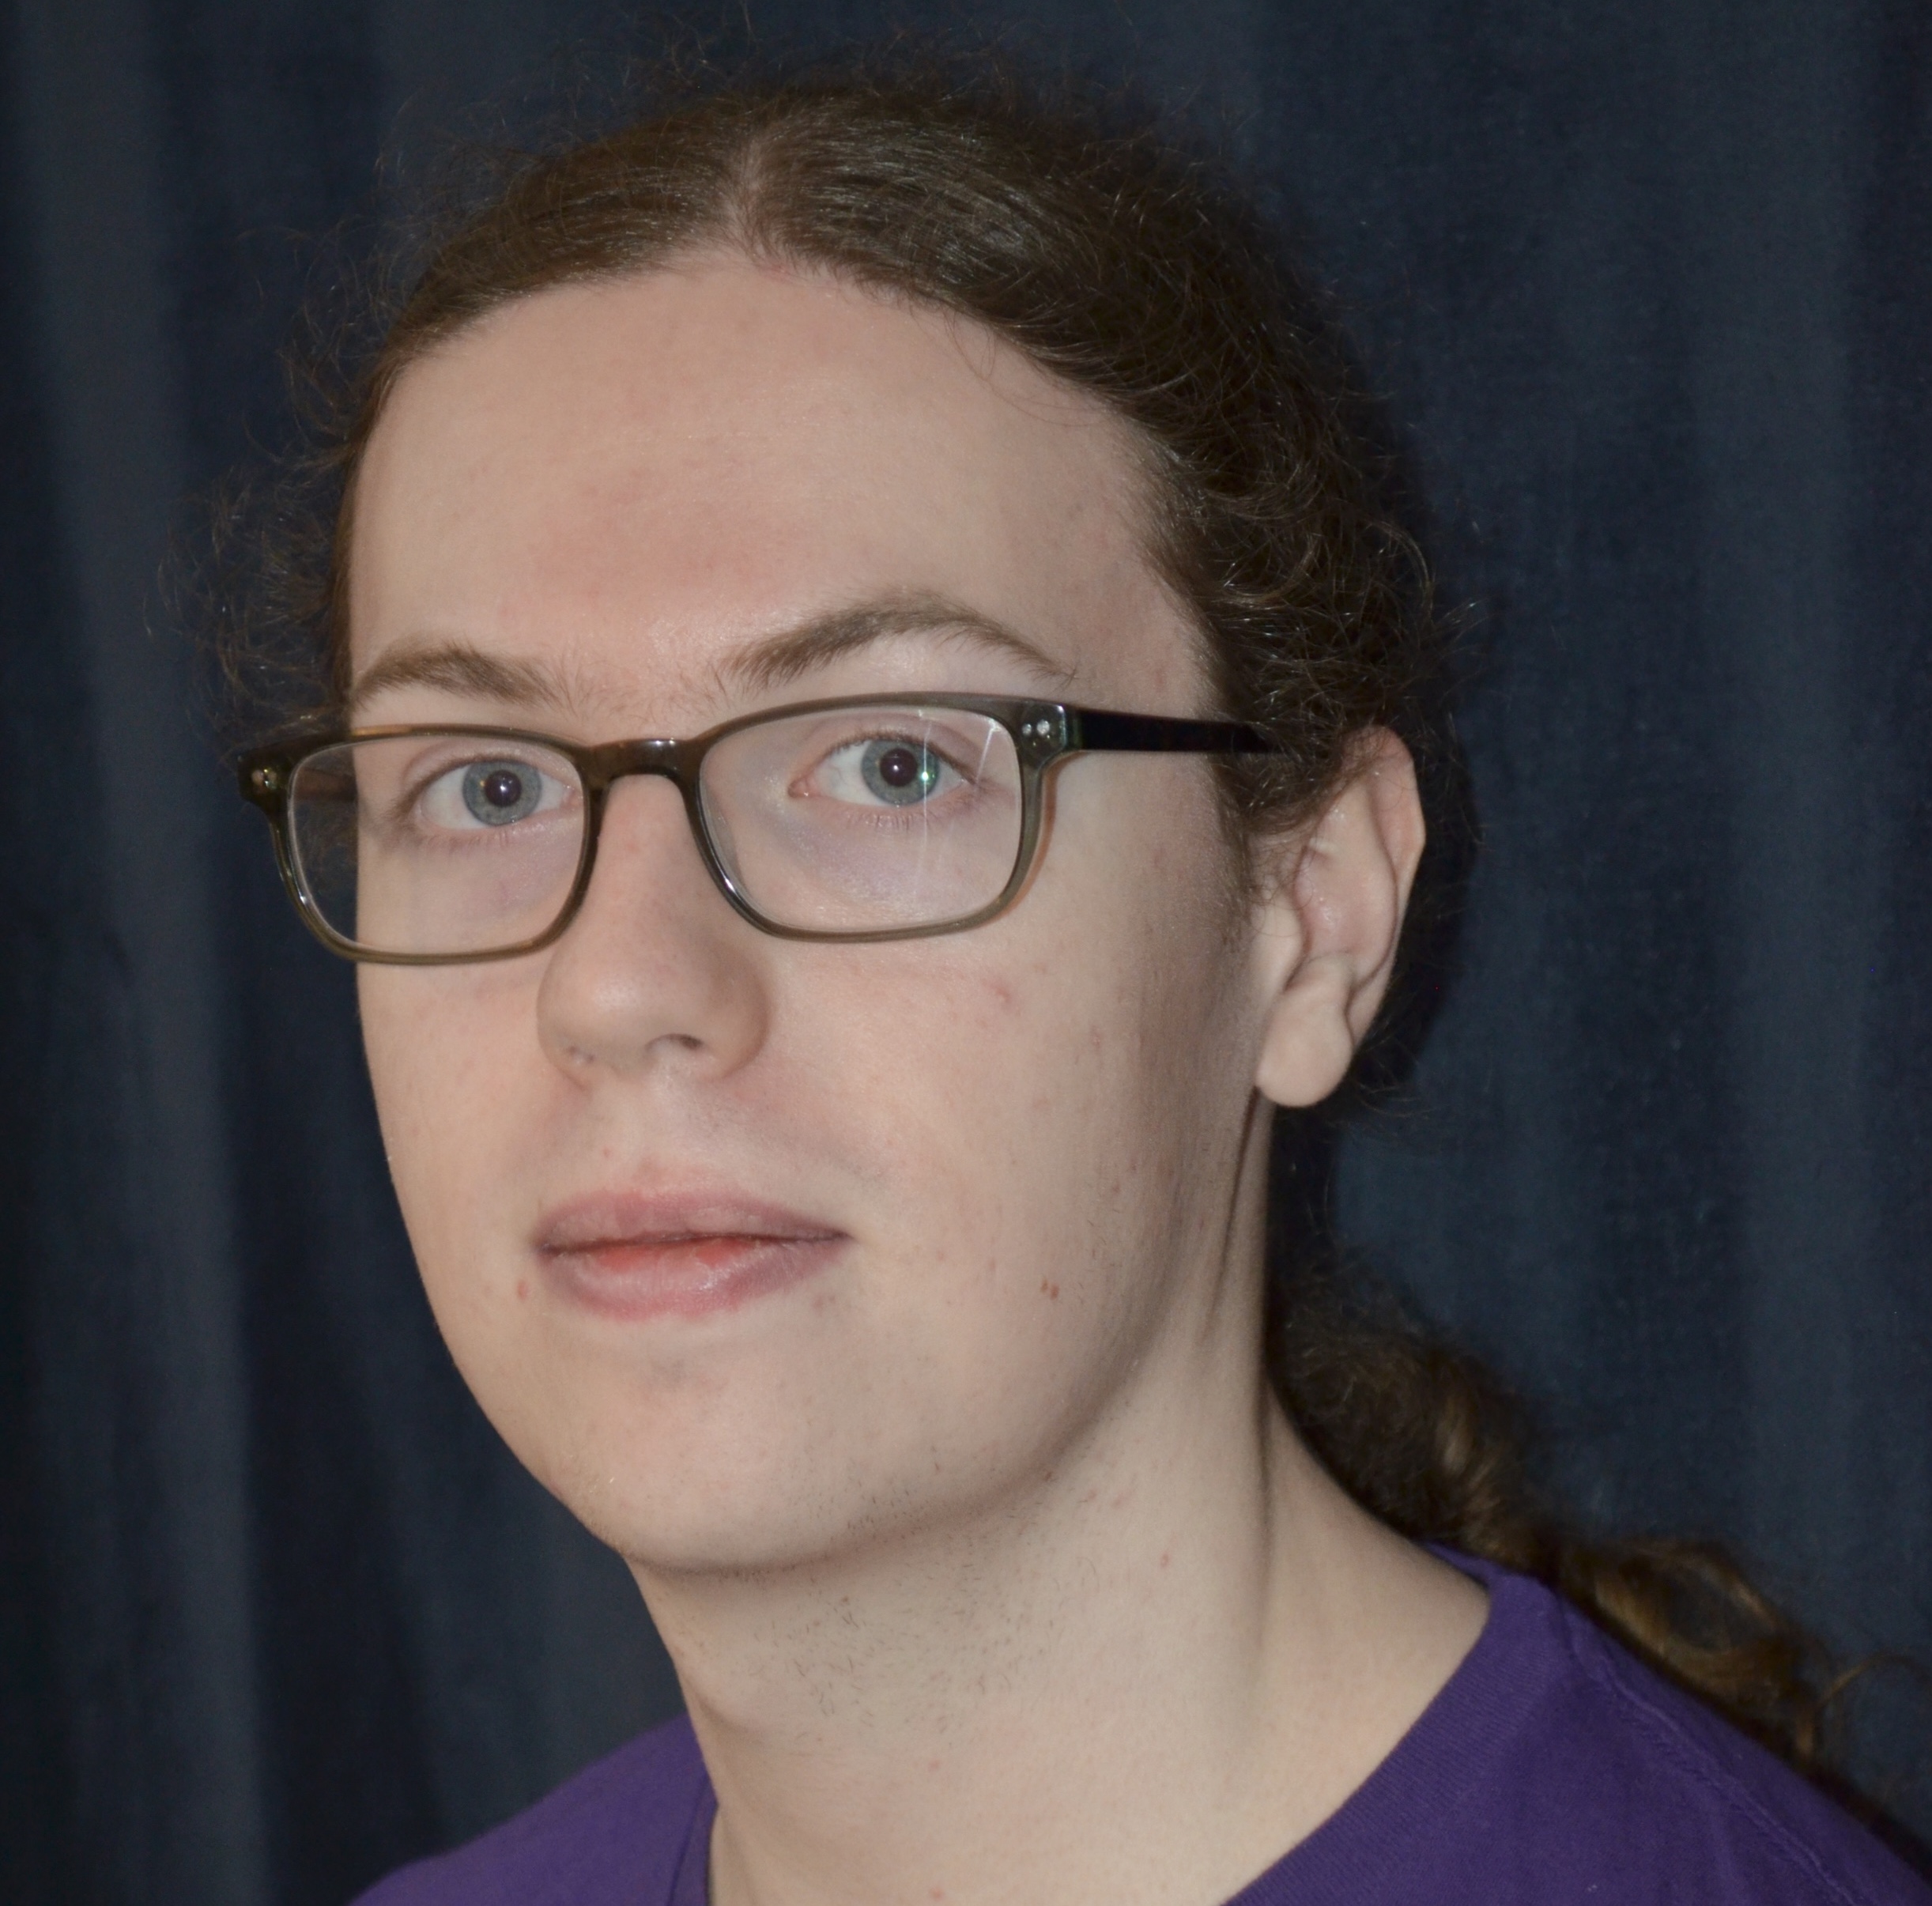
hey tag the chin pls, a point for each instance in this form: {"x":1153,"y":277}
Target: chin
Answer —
{"x":690,"y":1473}
{"x":740,"y":1491}
{"x":786,"y":1436}
{"x":716,"y":1525}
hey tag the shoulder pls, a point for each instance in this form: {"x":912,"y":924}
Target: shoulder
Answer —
{"x":1659,"y":1798}
{"x":1554,"y":1766}
{"x":615,"y":1832}
{"x":1707,"y":1794}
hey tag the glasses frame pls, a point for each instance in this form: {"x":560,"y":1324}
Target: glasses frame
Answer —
{"x":1044,"y":733}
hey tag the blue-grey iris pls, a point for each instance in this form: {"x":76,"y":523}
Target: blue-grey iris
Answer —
{"x":902,"y":773}
{"x":499,"y":792}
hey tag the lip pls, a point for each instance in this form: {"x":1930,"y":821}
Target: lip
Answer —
{"x":680,"y":1254}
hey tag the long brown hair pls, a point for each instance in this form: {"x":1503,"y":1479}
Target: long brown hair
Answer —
{"x":1120,"y":265}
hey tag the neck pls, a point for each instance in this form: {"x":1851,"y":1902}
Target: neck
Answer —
{"x":1142,"y":1679}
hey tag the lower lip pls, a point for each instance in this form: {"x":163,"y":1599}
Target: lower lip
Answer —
{"x":687,"y":1276}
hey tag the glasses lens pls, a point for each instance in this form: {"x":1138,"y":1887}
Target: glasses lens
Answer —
{"x":437,"y":843}
{"x":866,"y":819}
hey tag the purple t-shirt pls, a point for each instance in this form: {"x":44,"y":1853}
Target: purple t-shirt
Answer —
{"x":1551,"y":1768}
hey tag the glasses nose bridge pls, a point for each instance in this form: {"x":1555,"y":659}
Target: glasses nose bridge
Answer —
{"x":604,"y":767}
{"x":615,"y":761}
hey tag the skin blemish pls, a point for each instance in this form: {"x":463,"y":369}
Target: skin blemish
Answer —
{"x":1165,"y":1558}
{"x":1049,"y":1291}
{"x":522,"y":1289}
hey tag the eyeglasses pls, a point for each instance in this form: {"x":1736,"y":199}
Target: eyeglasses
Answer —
{"x":883,"y":818}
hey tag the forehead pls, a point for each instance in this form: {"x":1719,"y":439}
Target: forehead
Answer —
{"x":632,"y":477}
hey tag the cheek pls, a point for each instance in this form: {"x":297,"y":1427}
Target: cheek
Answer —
{"x":449,"y":1053}
{"x":1036,"y":1109}
{"x":992,"y":1299}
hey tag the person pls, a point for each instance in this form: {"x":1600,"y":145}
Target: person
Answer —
{"x":869,"y":739}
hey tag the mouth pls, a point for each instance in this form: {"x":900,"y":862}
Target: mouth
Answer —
{"x":637,"y":1257}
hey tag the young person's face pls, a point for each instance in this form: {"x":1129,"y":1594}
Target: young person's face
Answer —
{"x":754,"y":1248}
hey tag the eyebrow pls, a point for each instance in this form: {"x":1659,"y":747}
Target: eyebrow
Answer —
{"x":771,"y":663}
{"x":464,"y":670}
{"x":782,"y":658}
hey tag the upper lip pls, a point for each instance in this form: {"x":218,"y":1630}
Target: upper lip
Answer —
{"x":670,"y":1218}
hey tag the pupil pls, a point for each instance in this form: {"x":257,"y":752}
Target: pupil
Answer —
{"x":503,"y":788}
{"x":899,"y":768}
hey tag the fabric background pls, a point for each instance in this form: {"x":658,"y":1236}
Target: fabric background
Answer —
{"x":1646,"y":287}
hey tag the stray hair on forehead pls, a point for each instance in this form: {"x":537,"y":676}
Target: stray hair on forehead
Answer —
{"x":1116,"y":258}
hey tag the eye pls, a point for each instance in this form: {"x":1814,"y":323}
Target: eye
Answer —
{"x":892,"y":770}
{"x":496,"y":792}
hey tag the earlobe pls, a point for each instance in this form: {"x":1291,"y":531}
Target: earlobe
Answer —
{"x":1328,"y":947}
{"x":1307,"y":1051}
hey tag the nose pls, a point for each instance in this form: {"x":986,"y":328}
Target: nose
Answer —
{"x":656,"y":970}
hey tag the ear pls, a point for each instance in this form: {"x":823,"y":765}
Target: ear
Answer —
{"x":1333,"y":914}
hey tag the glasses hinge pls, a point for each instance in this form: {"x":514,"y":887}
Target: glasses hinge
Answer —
{"x":1050,"y":731}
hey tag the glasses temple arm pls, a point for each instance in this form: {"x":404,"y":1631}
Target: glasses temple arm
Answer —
{"x":1097,"y":730}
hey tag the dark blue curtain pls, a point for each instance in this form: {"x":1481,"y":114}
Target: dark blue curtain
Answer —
{"x":1646,"y":288}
